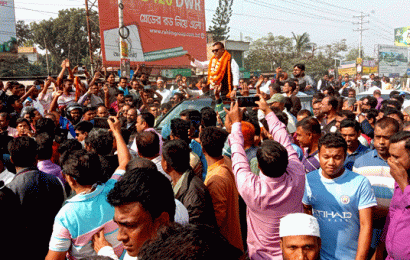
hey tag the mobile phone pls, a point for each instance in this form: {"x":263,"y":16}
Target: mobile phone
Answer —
{"x":247,"y":101}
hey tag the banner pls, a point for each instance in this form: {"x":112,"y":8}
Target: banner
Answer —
{"x":402,"y":36}
{"x":393,"y":60}
{"x":369,"y":66}
{"x":347,"y":67}
{"x":8,"y":38}
{"x":160,"y":32}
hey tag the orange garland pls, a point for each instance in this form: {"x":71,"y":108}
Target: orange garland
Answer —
{"x":217,"y":75}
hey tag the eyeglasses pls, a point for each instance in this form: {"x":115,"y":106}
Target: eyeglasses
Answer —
{"x":215,"y":51}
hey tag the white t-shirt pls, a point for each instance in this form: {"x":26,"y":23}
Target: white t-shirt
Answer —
{"x":166,"y":95}
{"x":6,"y":176}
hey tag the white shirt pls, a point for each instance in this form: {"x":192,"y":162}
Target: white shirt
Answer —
{"x":203,"y":65}
{"x":158,"y":163}
{"x":166,"y":95}
{"x":6,"y":176}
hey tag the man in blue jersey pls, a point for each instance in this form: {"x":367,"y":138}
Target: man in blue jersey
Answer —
{"x":342,"y":202}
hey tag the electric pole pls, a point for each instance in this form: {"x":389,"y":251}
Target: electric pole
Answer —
{"x":87,"y":13}
{"x":361,"y":17}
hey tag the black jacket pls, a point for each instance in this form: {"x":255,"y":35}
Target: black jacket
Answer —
{"x":196,"y":198}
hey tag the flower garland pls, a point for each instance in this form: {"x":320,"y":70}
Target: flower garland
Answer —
{"x":217,"y":70}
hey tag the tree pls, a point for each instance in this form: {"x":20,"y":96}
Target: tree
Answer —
{"x":353,"y":54}
{"x":12,"y":65}
{"x":302,"y":43}
{"x":66,"y":36}
{"x":220,"y":21}
{"x":24,"y":35}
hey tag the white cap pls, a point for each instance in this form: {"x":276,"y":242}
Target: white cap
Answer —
{"x":160,"y":80}
{"x":299,"y":224}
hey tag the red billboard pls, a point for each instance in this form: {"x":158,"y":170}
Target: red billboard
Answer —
{"x":159,"y":32}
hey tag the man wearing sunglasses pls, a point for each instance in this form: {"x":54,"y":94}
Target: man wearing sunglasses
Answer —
{"x":222,"y":69}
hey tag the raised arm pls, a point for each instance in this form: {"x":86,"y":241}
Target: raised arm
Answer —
{"x":106,"y":97}
{"x":61,"y":75}
{"x":54,"y":105}
{"x":32,"y":88}
{"x":124,"y":155}
{"x":277,"y":129}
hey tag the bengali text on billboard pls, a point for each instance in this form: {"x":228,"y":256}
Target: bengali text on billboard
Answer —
{"x":393,"y":60}
{"x":402,"y":36}
{"x":347,"y":67}
{"x":159,"y":32}
{"x":8,"y":39}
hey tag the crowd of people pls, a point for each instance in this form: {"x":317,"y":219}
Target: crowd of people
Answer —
{"x":84,"y":174}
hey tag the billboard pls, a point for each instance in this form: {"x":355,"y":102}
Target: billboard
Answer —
{"x":8,"y":38}
{"x":369,"y":66}
{"x":393,"y":60}
{"x":402,"y":36}
{"x":159,"y":32}
{"x":347,"y":67}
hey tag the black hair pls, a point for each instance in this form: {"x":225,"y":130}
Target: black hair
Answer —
{"x":318,"y":95}
{"x":288,"y":103}
{"x":193,"y":116}
{"x":10,"y":101}
{"x":333,"y":102}
{"x":84,"y":126}
{"x":67,"y":147}
{"x":167,"y":105}
{"x":346,"y":123}
{"x":220,"y":44}
{"x":208,"y":117}
{"x":83,"y":166}
{"x":272,"y":158}
{"x":38,"y":82}
{"x":45,"y":125}
{"x":139,"y":162}
{"x":44,"y":146}
{"x":124,"y":78}
{"x":310,"y":124}
{"x":148,"y":118}
{"x":281,"y":116}
{"x":187,"y":242}
{"x":176,"y":154}
{"x":346,"y":113}
{"x":372,"y":114}
{"x":100,"y":140}
{"x":386,"y":122}
{"x":119,"y":92}
{"x":372,"y":101}
{"x":393,"y":111}
{"x":333,"y":140}
{"x":180,"y":129}
{"x":304,"y":112}
{"x":401,"y":136}
{"x":213,"y":140}
{"x":292,"y":84}
{"x":150,"y":188}
{"x":23,"y":151}
{"x":86,"y":109}
{"x":394,"y":103}
{"x":148,"y":144}
{"x":300,"y":66}
{"x":21,"y":120}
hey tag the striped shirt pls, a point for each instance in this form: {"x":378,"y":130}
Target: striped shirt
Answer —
{"x":377,"y":171}
{"x":311,"y":161}
{"x":83,"y":216}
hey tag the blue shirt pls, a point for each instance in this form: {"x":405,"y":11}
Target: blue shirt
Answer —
{"x":311,"y":161}
{"x":66,"y":124}
{"x":196,"y":148}
{"x":336,"y":204}
{"x":351,"y":158}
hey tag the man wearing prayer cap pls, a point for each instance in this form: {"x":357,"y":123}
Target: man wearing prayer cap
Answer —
{"x":299,"y":237}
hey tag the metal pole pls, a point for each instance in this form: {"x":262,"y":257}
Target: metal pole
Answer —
{"x":121,"y":28}
{"x":45,"y":45}
{"x":87,"y":13}
{"x":361,"y":35}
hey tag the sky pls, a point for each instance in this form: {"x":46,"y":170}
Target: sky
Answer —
{"x":326,"y":21}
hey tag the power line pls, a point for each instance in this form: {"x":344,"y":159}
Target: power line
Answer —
{"x":335,"y":6}
{"x":293,"y":11}
{"x":361,"y":30}
{"x":314,"y":7}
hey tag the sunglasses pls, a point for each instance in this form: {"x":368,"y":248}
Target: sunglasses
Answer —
{"x":215,"y":51}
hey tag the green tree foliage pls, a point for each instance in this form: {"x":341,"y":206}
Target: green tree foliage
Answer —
{"x":268,"y":53}
{"x":66,"y":37}
{"x":220,"y":21}
{"x":302,"y":43}
{"x":24,"y":35}
{"x":353,"y":54}
{"x":12,"y":65}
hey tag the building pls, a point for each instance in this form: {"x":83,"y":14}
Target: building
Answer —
{"x":29,"y":52}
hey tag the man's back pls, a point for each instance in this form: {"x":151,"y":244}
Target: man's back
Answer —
{"x":196,"y":198}
{"x":41,"y":196}
{"x":225,"y":198}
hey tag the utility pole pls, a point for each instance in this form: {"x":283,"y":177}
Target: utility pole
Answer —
{"x":361,"y":17}
{"x":87,"y":13}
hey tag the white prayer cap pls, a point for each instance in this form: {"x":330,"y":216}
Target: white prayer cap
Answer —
{"x":299,"y":224}
{"x":160,"y":80}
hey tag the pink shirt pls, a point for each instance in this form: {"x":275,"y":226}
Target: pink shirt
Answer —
{"x":268,"y":199}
